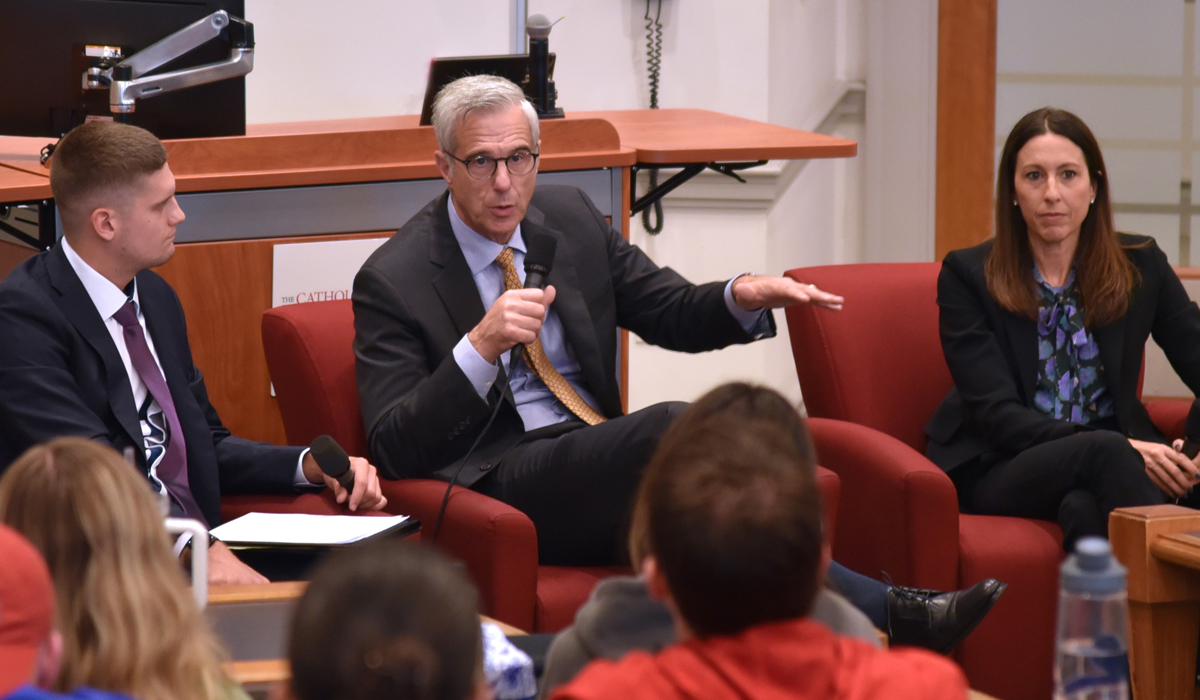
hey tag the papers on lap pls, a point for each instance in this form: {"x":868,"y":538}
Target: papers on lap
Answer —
{"x":302,"y":529}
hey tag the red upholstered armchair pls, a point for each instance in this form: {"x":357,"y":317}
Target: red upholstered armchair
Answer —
{"x":309,"y":351}
{"x":871,"y":377}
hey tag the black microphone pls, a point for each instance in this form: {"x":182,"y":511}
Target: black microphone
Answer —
{"x":332,"y":460}
{"x":539,"y":258}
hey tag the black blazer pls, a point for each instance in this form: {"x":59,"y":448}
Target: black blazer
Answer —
{"x":414,"y":299}
{"x":61,"y":374}
{"x":992,"y":356}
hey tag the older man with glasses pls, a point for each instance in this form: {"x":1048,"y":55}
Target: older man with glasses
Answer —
{"x":466,"y":376}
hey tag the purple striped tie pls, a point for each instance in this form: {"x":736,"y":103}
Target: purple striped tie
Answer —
{"x":172,"y":468}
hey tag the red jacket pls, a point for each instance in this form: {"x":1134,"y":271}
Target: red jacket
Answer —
{"x":775,"y":661}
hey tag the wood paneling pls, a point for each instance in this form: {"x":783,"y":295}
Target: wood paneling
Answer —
{"x":224,"y":288}
{"x":12,"y":255}
{"x":966,"y":118}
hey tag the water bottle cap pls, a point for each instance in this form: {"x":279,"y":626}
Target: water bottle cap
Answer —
{"x":1093,"y":568}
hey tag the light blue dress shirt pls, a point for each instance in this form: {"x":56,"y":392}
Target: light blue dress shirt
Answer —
{"x":536,"y":404}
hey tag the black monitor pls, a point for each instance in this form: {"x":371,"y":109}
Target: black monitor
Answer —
{"x":514,"y":67}
{"x":42,"y":63}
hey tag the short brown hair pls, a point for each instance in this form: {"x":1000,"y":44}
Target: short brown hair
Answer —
{"x":1105,"y":275}
{"x":733,"y":519}
{"x":386,"y":621}
{"x":100,"y":159}
{"x":734,"y":400}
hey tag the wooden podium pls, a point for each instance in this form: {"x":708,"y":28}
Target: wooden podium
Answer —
{"x":340,"y":179}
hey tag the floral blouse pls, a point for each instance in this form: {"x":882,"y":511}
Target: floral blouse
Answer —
{"x":1070,"y":383}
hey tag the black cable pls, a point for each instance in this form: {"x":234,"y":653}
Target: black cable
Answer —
{"x":653,"y":68}
{"x":653,"y":50}
{"x":437,"y":528}
{"x":653,"y":228}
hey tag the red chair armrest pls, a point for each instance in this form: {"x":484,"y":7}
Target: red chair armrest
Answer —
{"x":497,"y":542}
{"x":1169,"y":415}
{"x":898,"y":513}
{"x":831,"y":495}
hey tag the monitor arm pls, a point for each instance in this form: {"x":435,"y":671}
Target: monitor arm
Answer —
{"x":127,"y":82}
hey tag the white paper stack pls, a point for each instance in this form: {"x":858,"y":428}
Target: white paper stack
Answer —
{"x":303,"y":529}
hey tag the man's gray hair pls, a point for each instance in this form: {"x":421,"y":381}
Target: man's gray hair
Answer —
{"x":476,"y":93}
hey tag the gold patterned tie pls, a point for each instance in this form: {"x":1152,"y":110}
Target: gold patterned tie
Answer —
{"x":536,"y":358}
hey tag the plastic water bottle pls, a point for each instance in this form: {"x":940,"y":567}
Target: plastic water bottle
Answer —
{"x":1091,"y":661}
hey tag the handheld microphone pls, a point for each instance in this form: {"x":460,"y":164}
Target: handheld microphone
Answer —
{"x":332,"y":460}
{"x":538,"y":261}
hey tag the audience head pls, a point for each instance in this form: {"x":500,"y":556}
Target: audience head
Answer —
{"x":1105,"y":275}
{"x":29,"y":646}
{"x":116,"y":195}
{"x":728,"y":514}
{"x":483,"y":120}
{"x":387,"y":621}
{"x":128,"y":621}
{"x":735,"y":400}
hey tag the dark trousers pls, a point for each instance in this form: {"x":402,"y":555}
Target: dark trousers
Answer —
{"x":1076,"y":481}
{"x":578,"y":487}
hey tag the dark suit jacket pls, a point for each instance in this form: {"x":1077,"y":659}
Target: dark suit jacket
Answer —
{"x":414,"y":299}
{"x":992,"y":356}
{"x":61,"y":374}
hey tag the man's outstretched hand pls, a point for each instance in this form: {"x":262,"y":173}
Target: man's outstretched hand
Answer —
{"x":753,"y":292}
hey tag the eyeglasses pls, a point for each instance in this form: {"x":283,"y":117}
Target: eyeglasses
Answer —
{"x":482,"y":167}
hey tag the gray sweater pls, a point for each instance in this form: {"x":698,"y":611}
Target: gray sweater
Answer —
{"x":621,"y":616}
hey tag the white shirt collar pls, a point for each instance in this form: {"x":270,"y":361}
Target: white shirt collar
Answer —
{"x":107,"y":297}
{"x":479,"y":250}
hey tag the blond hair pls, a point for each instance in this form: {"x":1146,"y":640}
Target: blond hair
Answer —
{"x":128,"y":622}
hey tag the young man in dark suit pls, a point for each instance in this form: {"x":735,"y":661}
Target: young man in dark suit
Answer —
{"x":93,"y":343}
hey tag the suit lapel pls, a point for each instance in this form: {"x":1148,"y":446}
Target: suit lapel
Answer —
{"x":570,"y":306}
{"x":78,"y":308}
{"x":1022,"y":336}
{"x":453,"y":281}
{"x":1111,"y":340}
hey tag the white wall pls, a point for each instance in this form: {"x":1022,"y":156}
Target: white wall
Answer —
{"x":784,"y":61}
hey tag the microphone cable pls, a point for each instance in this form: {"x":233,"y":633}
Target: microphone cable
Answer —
{"x":437,"y":528}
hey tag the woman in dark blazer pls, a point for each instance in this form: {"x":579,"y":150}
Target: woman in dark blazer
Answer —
{"x":1044,"y":328}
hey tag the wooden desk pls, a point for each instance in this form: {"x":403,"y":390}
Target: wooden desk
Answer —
{"x":676,"y":136}
{"x":1161,"y":548}
{"x":312,"y":181}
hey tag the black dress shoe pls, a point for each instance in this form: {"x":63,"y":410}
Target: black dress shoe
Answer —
{"x":939,"y":621}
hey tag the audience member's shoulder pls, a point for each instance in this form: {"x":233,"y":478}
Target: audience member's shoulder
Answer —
{"x":28,"y":692}
{"x":899,"y":674}
{"x":635,"y":676}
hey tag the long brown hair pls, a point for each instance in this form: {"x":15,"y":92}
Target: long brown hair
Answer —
{"x":128,"y":622}
{"x":1105,"y":275}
